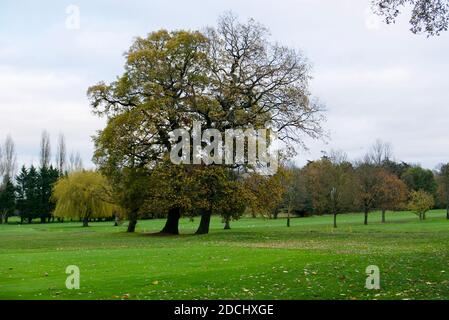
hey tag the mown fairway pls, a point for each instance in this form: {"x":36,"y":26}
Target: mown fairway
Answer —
{"x":257,"y":259}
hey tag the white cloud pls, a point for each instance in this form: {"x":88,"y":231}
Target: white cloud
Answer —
{"x":31,"y":101}
{"x":363,"y":77}
{"x":372,"y":21}
{"x":377,"y":81}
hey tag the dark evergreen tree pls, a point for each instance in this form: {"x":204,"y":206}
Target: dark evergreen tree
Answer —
{"x":47,"y":178}
{"x":34,"y":190}
{"x":32,"y":195}
{"x":7,"y":200}
{"x":21,"y":185}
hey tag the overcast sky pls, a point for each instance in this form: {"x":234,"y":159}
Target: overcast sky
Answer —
{"x":377,"y":81}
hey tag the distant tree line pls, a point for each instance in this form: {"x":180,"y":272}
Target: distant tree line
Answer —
{"x":28,"y":194}
{"x":334,"y":185}
{"x":331,"y":185}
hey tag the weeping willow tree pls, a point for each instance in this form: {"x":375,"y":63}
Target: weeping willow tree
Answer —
{"x":83,"y":195}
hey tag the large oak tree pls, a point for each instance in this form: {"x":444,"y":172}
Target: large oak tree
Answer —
{"x":229,"y":77}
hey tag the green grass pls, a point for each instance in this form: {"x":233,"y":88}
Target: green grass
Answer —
{"x":257,"y":259}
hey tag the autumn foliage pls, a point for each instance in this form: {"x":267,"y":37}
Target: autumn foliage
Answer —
{"x":83,"y":195}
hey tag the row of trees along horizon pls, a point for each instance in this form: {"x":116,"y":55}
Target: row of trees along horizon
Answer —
{"x":28,"y":192}
{"x":226,"y":77}
{"x":330,"y":185}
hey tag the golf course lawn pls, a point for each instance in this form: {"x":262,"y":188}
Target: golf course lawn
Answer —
{"x":257,"y":259}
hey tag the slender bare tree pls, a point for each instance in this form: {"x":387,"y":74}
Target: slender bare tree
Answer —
{"x":61,"y":155}
{"x":379,"y":152}
{"x":75,"y":162}
{"x":338,"y":156}
{"x":45,"y":154}
{"x":9,"y":163}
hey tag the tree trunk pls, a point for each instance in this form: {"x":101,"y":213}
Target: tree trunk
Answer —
{"x":132,"y":226}
{"x":447,"y":203}
{"x":132,"y":218}
{"x":172,"y":223}
{"x":6,"y":219}
{"x":366,"y":218}
{"x":424,"y":216}
{"x":335,"y":220}
{"x":204,"y":223}
{"x":227,"y":224}
{"x":383,"y":216}
{"x":85,"y":222}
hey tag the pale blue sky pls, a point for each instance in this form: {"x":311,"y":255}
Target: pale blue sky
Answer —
{"x":377,"y":81}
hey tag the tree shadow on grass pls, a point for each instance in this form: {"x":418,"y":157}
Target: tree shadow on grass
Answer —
{"x":166,"y":235}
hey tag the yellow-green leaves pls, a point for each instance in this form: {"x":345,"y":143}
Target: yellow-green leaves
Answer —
{"x":420,"y":203}
{"x":84,"y":194}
